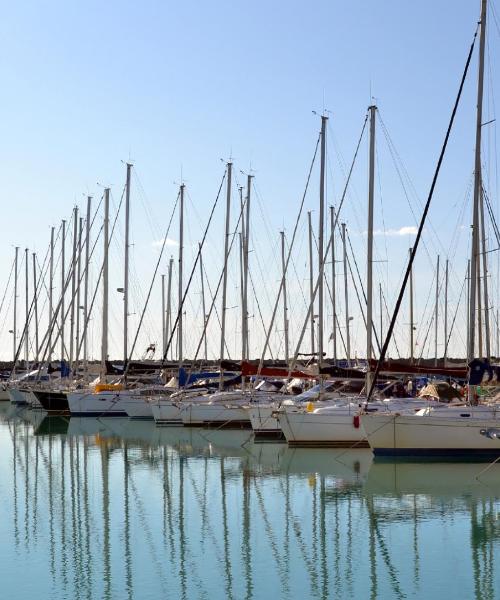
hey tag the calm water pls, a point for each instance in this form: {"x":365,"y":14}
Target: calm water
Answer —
{"x":119,"y":509}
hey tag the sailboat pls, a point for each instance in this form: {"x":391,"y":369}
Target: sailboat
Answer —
{"x":471,"y":431}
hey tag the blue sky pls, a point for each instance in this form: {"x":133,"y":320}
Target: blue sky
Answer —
{"x":177,"y":86}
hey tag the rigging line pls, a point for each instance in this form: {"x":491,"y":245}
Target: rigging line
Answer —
{"x":423,"y":314}
{"x":402,"y":173}
{"x":158,"y":262}
{"x":85,"y":325}
{"x":285,"y":270}
{"x":492,"y":217}
{"x":200,"y":248}
{"x":7,"y":286}
{"x":212,"y":298}
{"x":381,"y":201}
{"x":297,"y":278}
{"x":306,"y":321}
{"x":322,"y":263}
{"x":424,"y":343}
{"x":389,"y":317}
{"x":422,"y":221}
{"x":28,"y":321}
{"x":362,"y":289}
{"x":355,"y":288}
{"x":258,"y":308}
{"x":235,"y":232}
{"x":447,"y":341}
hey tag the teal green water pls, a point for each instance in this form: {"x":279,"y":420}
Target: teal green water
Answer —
{"x":116,"y":509}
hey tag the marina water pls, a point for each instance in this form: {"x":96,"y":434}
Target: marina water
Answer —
{"x":117,"y":509}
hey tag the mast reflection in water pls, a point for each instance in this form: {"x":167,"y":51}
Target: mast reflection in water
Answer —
{"x":114,"y":508}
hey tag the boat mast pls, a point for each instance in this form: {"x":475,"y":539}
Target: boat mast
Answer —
{"x":485,"y":281}
{"x":285,"y":306}
{"x":241,"y":236}
{"x":224,"y":276}
{"x":246,"y":251}
{"x":51,"y":293}
{"x":105,"y":287}
{"x":411,"y":311}
{"x":311,"y":287}
{"x":477,"y":190}
{"x":346,"y":297}
{"x":181,"y":251}
{"x":203,"y":306}
{"x":14,"y":325}
{"x":169,"y":302}
{"x":35,"y":307}
{"x":73,"y":288}
{"x":334,"y":299}
{"x":63,"y":258}
{"x":26,"y":305}
{"x":436,"y":315}
{"x":369,"y":264}
{"x":78,"y":289}
{"x":126,"y":267}
{"x":163,"y":323}
{"x":324,"y":120}
{"x":468,"y":312}
{"x":86,"y":284}
{"x":445,"y":354}
{"x":381,"y":313}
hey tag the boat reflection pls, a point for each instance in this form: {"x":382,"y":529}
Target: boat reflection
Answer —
{"x":115,"y":508}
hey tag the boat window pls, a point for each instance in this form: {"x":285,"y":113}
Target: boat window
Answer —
{"x":465,"y":414}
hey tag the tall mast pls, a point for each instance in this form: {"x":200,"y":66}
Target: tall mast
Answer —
{"x":224,"y":276}
{"x":369,"y":257}
{"x":477,"y":186}
{"x":181,"y":251}
{"x":436,"y":315}
{"x":346,"y":297}
{"x":105,"y":287}
{"x":78,"y":290}
{"x":321,"y":238}
{"x":334,"y":294}
{"x":285,"y":305}
{"x":86,"y":283}
{"x":246,"y":251}
{"x":485,"y":281}
{"x":381,"y":313}
{"x":14,"y":325}
{"x":51,"y":293}
{"x":35,"y":307}
{"x":411,"y":312}
{"x":169,"y":302}
{"x":203,"y":306}
{"x":126,"y":267}
{"x":445,"y":353}
{"x":26,"y":305}
{"x":73,"y":288}
{"x":469,"y":358}
{"x":311,"y":275}
{"x":63,"y":258}
{"x":163,"y":317}
{"x":241,"y":236}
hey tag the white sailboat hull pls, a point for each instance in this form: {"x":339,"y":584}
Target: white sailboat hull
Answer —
{"x":102,"y":404}
{"x":214,"y":414}
{"x":166,"y":412}
{"x":137,"y":407}
{"x":443,"y":435}
{"x":335,"y":429}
